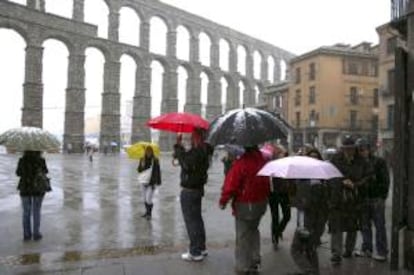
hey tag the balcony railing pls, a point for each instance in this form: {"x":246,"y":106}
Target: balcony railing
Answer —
{"x":398,"y":9}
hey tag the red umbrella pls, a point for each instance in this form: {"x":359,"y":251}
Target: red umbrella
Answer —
{"x":178,"y":122}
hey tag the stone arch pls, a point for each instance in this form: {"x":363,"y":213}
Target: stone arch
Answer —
{"x":205,"y":42}
{"x":55,"y":73}
{"x":21,"y":29}
{"x":184,"y":73}
{"x":136,"y":9}
{"x":94,"y":87}
{"x":282,"y":69}
{"x":127,"y":87}
{"x":241,"y":59}
{"x":59,"y":37}
{"x":157,"y":84}
{"x":102,"y":47}
{"x":224,"y":49}
{"x":62,"y":7}
{"x":102,"y":21}
{"x":13,"y":56}
{"x":129,"y":14}
{"x":271,"y":68}
{"x":183,"y":42}
{"x":205,"y":80}
{"x":133,"y":54}
{"x":158,"y":35}
{"x":257,"y":64}
{"x":163,"y":61}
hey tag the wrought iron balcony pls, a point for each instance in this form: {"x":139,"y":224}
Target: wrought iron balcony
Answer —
{"x":399,"y":9}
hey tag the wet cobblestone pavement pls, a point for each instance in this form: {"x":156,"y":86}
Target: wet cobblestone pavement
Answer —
{"x":91,"y":225}
{"x":95,"y":208}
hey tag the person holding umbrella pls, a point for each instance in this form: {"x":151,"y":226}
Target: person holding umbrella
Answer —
{"x":311,"y":202}
{"x":344,"y":201}
{"x":248,"y":194}
{"x":149,"y":175}
{"x":194,"y":165}
{"x":29,"y":169}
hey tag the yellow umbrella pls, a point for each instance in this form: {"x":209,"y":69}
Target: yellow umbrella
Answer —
{"x":137,"y":150}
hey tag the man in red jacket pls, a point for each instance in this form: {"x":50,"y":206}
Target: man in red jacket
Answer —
{"x":249,"y":194}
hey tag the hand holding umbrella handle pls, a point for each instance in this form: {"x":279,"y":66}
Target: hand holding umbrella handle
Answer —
{"x":175,"y":162}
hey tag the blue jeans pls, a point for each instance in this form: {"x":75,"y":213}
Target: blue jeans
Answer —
{"x":373,"y":211}
{"x":191,"y":208}
{"x":31,"y":206}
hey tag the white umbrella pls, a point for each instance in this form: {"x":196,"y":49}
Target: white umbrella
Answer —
{"x":300,"y":167}
{"x":29,"y":139}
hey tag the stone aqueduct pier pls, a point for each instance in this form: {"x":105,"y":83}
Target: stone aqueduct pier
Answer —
{"x":36,"y":26}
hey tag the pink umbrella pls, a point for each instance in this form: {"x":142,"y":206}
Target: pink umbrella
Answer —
{"x":300,"y":167}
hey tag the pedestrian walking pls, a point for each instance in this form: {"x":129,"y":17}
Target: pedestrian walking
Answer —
{"x":248,"y":194}
{"x":311,"y":201}
{"x":149,"y":175}
{"x":32,"y":171}
{"x":344,"y":201}
{"x":279,"y":198}
{"x":90,"y":150}
{"x":194,"y":165}
{"x":373,"y":195}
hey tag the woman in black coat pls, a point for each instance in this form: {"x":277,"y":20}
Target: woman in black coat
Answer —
{"x":149,"y":175}
{"x":28,"y":168}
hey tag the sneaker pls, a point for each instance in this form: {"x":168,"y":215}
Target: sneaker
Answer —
{"x":379,"y":258}
{"x":347,"y":254}
{"x":204,"y":253}
{"x":191,"y":258}
{"x":363,"y":254}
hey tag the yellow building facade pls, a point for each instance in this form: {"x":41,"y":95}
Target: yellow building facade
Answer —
{"x":332,"y":91}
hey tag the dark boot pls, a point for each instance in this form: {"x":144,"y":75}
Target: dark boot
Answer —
{"x":146,"y":211}
{"x":149,"y":213}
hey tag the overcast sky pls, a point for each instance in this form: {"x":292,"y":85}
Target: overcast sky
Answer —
{"x":296,"y":25}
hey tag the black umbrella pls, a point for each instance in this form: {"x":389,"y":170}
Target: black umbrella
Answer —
{"x":246,"y":127}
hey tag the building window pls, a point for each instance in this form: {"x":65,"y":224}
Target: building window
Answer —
{"x":297,"y":98}
{"x":312,"y":95}
{"x":297,"y":122}
{"x":353,"y":68}
{"x":312,"y":118}
{"x":376,"y":98}
{"x":391,"y":45}
{"x":390,"y":117}
{"x":297,"y":75}
{"x":375,"y":124}
{"x":274,"y":102}
{"x":312,"y":71}
{"x":391,"y":81}
{"x":353,"y":96}
{"x":353,"y":119}
{"x":280,"y":101}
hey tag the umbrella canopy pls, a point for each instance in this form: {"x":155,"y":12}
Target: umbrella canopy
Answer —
{"x":300,"y":167}
{"x":246,"y":127}
{"x":178,"y":122}
{"x":137,"y":150}
{"x":29,"y":139}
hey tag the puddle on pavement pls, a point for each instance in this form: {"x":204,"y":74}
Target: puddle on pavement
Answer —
{"x":75,"y":256}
